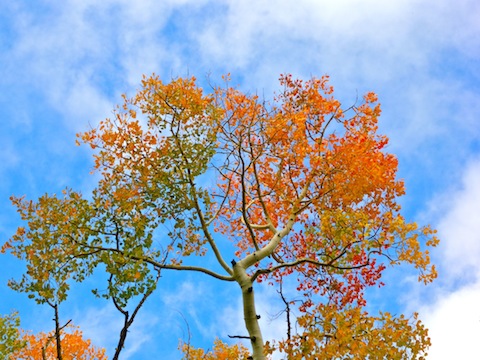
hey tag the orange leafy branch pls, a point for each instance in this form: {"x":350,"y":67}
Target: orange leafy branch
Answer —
{"x":220,"y":351}
{"x":74,"y":347}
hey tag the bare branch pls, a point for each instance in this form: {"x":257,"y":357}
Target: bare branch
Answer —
{"x":240,"y":337}
{"x":287,"y":310}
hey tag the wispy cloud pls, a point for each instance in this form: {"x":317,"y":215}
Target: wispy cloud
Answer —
{"x":460,"y":228}
{"x":103,"y":324}
{"x":217,"y":311}
{"x":450,"y":310}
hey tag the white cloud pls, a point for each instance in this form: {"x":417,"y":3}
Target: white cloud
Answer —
{"x":454,"y":324}
{"x":73,"y":52}
{"x":459,"y":229}
{"x":354,"y":38}
{"x":393,"y":48}
{"x":451,"y":311}
{"x":193,"y":301}
{"x":103,"y":324}
{"x":83,"y":54}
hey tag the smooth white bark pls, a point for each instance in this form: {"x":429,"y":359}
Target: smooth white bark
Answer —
{"x":249,"y":311}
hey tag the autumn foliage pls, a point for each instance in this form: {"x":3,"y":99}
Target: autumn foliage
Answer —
{"x":9,"y":335}
{"x":43,"y":346}
{"x":220,"y":351}
{"x":304,"y":188}
{"x":340,"y":333}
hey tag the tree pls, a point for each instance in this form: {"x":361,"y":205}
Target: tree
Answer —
{"x":305,"y":189}
{"x":50,"y":248}
{"x":42,"y":346}
{"x":9,"y":335}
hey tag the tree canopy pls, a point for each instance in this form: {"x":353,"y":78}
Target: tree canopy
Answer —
{"x":301,"y":186}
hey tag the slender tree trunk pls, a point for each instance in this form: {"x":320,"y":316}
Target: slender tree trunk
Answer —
{"x":121,"y":341}
{"x":57,"y":333}
{"x":249,"y":312}
{"x":128,"y":320}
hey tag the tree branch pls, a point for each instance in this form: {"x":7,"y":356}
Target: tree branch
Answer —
{"x":287,"y":310}
{"x":207,"y":223}
{"x":244,"y":200}
{"x":203,"y":222}
{"x":240,"y":337}
{"x":308,"y":261}
{"x":128,"y":320}
{"x":159,"y":265}
{"x":259,"y":188}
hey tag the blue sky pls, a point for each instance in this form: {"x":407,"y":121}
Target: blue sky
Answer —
{"x":63,"y":66}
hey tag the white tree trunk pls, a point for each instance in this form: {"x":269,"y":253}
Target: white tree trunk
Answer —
{"x":249,"y":312}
